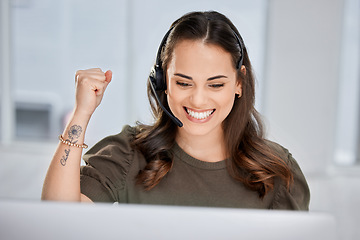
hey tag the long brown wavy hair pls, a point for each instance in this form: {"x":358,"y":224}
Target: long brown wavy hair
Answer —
{"x":252,"y":161}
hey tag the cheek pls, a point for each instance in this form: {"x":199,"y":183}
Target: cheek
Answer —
{"x":226,"y":101}
{"x":227,"y":96}
{"x":175,"y":98}
{"x":172,"y":89}
{"x":175,"y":94}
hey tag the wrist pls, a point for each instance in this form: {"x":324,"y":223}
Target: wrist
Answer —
{"x":72,"y":144}
{"x":80,"y":116}
{"x":76,"y":125}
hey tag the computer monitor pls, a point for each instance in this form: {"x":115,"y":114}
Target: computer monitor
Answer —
{"x":59,"y":220}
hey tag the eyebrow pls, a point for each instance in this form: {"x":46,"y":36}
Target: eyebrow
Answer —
{"x":190,"y":78}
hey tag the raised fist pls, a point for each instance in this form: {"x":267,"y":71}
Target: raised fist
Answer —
{"x":90,"y":88}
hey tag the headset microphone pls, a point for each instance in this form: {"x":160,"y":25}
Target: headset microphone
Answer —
{"x":175,"y":119}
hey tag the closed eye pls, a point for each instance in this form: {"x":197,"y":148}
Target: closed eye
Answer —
{"x":182,"y":84}
{"x":217,"y":85}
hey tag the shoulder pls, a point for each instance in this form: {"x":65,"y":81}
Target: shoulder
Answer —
{"x":121,"y":141}
{"x":277,"y":148}
{"x":108,"y":163}
{"x":114,"y":154}
{"x":283,"y":153}
{"x":127,"y":134}
{"x":296,"y":197}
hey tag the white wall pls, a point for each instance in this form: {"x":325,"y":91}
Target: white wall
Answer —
{"x":302,"y":77}
{"x":51,"y":40}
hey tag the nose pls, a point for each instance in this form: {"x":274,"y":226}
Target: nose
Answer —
{"x":199,"y":98}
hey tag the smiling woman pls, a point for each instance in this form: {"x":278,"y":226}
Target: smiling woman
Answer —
{"x":202,"y":81}
{"x":206,"y":147}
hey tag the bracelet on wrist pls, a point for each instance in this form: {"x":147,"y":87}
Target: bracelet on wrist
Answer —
{"x":67,"y":142}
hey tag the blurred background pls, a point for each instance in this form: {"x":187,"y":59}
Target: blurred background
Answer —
{"x":305,"y":54}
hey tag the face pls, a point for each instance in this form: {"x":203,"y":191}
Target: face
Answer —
{"x":201,"y":87}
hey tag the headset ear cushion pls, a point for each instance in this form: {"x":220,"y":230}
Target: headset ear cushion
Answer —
{"x":157,"y":78}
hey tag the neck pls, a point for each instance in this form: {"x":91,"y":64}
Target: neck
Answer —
{"x":208,"y":148}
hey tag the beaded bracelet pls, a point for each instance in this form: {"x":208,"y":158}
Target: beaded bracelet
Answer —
{"x":67,"y":142}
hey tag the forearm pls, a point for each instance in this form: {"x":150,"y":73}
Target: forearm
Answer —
{"x":62,"y":181}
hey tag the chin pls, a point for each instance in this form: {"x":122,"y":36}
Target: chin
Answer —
{"x":200,"y":129}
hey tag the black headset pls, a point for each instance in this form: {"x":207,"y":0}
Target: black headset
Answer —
{"x":157,"y":76}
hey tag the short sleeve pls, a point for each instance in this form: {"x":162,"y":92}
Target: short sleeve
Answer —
{"x":298,"y":196}
{"x":107,"y":165}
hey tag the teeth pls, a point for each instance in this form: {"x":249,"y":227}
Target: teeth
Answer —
{"x":199,"y":115}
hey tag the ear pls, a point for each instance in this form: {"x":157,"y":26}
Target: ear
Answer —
{"x":243,"y":70}
{"x":239,"y":84}
{"x":238,"y":89}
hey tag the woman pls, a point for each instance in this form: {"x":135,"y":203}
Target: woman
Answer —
{"x":206,"y":147}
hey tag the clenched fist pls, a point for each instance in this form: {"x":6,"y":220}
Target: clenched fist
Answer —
{"x":90,"y":88}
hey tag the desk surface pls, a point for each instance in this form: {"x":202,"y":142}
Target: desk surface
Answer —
{"x":54,"y":220}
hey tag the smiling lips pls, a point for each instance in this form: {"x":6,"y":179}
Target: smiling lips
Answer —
{"x":199,"y":115}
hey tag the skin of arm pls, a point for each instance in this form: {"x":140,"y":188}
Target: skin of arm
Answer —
{"x":62,"y":181}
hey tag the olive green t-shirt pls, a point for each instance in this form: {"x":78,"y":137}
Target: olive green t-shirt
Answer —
{"x":112,"y":165}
